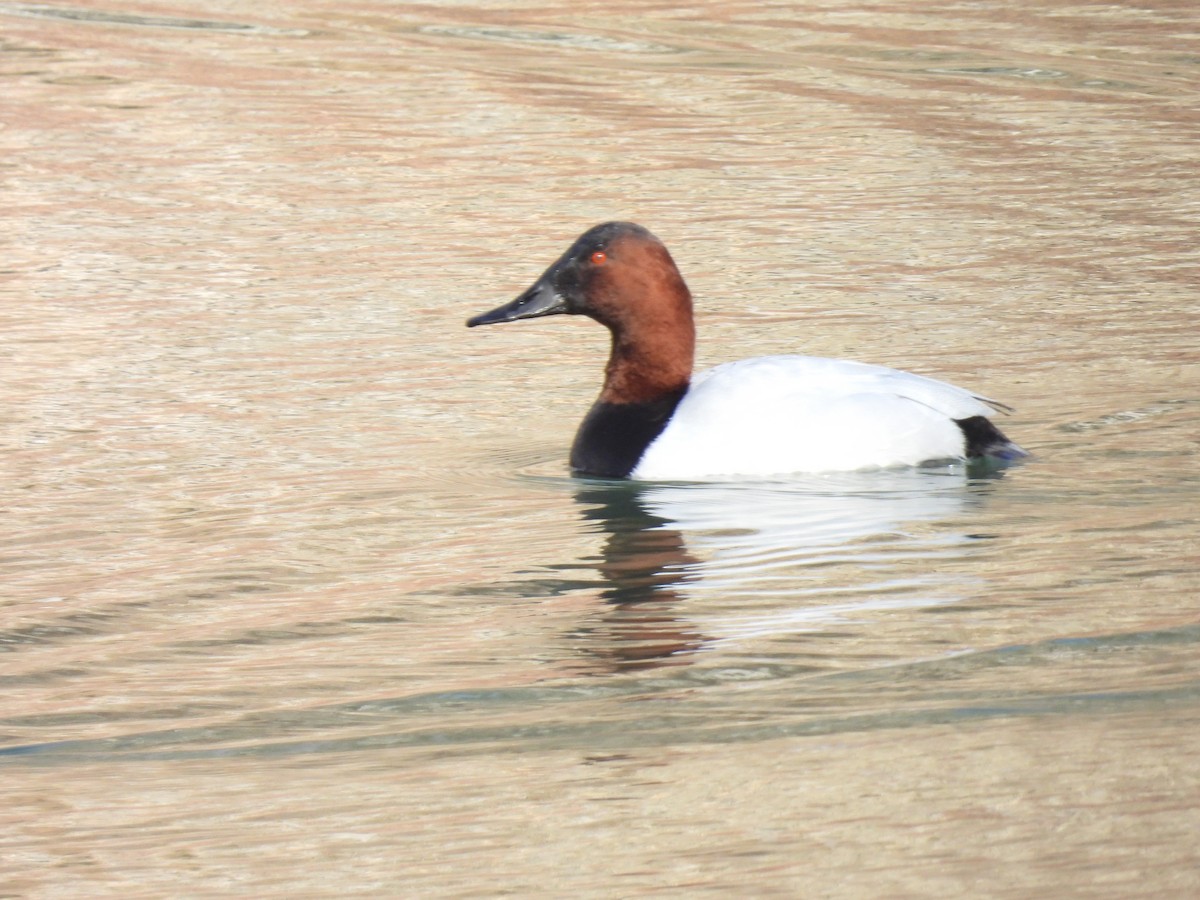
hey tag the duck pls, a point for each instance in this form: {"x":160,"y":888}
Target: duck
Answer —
{"x":764,"y":417}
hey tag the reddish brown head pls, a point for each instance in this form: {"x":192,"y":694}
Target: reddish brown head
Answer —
{"x":622,"y":276}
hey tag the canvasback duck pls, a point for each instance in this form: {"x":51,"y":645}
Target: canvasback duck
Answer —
{"x":767,"y":416}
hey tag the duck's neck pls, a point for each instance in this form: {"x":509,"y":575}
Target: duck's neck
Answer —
{"x":648,"y":309}
{"x":643,"y":383}
{"x":652,"y":361}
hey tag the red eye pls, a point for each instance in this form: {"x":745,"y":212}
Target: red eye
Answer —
{"x":599,"y":257}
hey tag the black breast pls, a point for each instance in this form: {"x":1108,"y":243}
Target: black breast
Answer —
{"x":613,"y":436}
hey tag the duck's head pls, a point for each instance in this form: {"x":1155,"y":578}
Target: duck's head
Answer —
{"x":617,"y":273}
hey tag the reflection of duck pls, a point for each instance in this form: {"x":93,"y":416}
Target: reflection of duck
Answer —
{"x":776,"y":557}
{"x":643,"y":562}
{"x":755,"y":417}
{"x":644,"y":556}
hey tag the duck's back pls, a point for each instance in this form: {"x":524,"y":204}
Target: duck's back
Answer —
{"x":781,"y":414}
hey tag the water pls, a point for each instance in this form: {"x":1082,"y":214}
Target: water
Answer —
{"x":300,"y":599}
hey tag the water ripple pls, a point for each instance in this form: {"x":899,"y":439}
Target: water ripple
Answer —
{"x":466,"y":718}
{"x":566,"y":40}
{"x":119,"y":18}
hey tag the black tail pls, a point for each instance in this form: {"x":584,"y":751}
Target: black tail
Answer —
{"x":985,"y":439}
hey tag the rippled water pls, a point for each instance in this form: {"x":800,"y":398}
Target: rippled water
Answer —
{"x":299,"y":597}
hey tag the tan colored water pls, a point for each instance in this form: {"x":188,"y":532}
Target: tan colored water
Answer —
{"x":299,"y":598}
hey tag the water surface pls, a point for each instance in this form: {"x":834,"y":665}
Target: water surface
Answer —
{"x":299,"y":597}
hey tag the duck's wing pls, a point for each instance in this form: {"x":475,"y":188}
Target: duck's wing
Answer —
{"x":783,"y":414}
{"x":799,"y":376}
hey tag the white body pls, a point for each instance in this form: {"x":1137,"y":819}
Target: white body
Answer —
{"x":775,"y":415}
